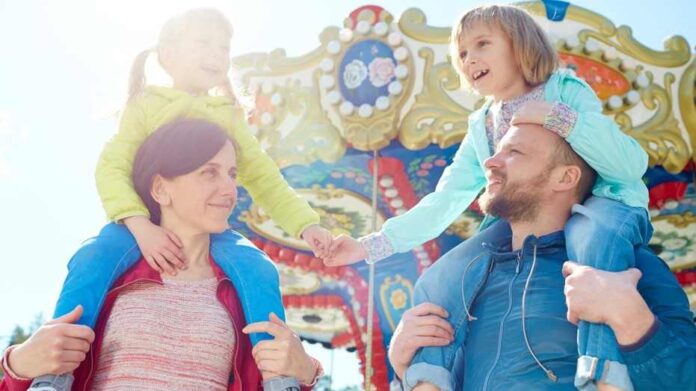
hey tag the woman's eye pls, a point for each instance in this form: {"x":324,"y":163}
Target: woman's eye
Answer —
{"x":210,"y":173}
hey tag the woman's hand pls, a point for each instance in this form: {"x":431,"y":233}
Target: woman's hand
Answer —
{"x":284,"y":355}
{"x":318,"y":238}
{"x":161,"y":248}
{"x":57,"y":347}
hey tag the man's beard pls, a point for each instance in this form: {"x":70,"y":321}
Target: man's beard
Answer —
{"x":515,"y":202}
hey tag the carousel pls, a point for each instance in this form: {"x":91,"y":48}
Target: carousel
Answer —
{"x":364,"y":125}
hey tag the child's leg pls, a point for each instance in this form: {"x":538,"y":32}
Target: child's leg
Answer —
{"x":254,"y":276}
{"x":442,"y":284}
{"x":603,"y":234}
{"x":258,"y":285}
{"x":91,"y":272}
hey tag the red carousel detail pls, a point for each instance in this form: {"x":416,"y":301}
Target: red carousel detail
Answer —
{"x":307,"y":262}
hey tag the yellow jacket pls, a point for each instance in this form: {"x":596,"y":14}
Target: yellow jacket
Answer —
{"x":257,"y":172}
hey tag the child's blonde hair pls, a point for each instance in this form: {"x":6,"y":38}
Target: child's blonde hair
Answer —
{"x":170,"y":34}
{"x":532,"y":48}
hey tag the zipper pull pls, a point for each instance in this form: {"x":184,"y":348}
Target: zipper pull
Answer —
{"x":519,"y":261}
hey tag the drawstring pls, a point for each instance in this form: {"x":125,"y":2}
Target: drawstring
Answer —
{"x":466,"y":310}
{"x":549,"y":372}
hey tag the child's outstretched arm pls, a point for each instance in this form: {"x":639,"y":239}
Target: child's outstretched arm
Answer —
{"x":616,"y":156}
{"x":161,"y":248}
{"x":458,"y":186}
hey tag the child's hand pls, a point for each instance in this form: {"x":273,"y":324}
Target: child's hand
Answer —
{"x":319,"y":239}
{"x":161,"y":248}
{"x":344,"y":251}
{"x":532,"y":112}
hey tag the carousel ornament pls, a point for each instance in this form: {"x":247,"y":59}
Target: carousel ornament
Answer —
{"x":364,"y":125}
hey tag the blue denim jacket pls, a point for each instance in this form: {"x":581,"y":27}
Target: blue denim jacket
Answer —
{"x":496,"y":352}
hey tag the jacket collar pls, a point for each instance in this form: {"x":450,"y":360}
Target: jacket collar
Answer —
{"x":502,"y":244}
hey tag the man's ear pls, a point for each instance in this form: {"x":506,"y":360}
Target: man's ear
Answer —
{"x":566,"y":177}
{"x":159,"y":191}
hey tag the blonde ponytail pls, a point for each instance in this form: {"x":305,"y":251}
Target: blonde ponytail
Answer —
{"x":136,"y":81}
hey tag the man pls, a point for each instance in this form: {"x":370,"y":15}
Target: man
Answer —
{"x":512,"y":332}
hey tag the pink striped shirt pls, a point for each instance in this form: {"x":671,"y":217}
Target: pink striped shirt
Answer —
{"x":173,"y":336}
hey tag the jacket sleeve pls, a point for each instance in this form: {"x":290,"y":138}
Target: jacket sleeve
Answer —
{"x":458,"y":186}
{"x":10,"y":382}
{"x":616,"y":156}
{"x":665,"y":359}
{"x":115,"y":166}
{"x":262,"y":178}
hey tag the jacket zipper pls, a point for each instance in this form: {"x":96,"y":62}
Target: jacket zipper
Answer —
{"x":236,"y":344}
{"x":502,"y":321}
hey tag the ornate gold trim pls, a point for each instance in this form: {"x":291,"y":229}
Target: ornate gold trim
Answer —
{"x":687,"y":102}
{"x":677,"y":51}
{"x":413,"y":24}
{"x":434,"y":117}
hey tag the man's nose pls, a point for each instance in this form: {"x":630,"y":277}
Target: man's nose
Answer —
{"x":492,"y":162}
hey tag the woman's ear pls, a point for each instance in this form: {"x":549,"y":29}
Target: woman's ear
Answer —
{"x":159,"y":191}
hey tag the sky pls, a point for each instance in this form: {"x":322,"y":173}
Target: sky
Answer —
{"x":63,"y":74}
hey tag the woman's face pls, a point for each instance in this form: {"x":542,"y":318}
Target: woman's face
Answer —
{"x":202,"y":201}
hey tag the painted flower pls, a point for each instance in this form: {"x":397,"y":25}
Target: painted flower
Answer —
{"x":354,"y":74}
{"x":381,"y":71}
{"x":398,"y":299}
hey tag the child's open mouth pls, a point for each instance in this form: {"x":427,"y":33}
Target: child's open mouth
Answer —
{"x":479,"y":74}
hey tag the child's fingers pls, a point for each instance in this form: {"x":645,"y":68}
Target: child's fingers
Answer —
{"x":153,"y":264}
{"x":172,"y":236}
{"x":164,"y":265}
{"x":173,"y":259}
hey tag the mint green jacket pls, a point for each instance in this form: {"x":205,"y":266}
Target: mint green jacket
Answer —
{"x":619,"y":160}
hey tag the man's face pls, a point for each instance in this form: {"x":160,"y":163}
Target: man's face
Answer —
{"x":518,"y":174}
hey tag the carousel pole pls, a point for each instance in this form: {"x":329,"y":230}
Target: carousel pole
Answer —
{"x":369,"y":370}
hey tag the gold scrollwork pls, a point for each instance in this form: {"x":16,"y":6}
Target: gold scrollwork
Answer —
{"x":435,"y":117}
{"x":312,"y":137}
{"x":582,"y":15}
{"x":687,"y":102}
{"x":676,"y":53}
{"x":660,"y":135}
{"x":413,"y":23}
{"x":679,"y":221}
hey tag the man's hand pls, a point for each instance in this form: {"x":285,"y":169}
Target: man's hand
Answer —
{"x":57,"y":347}
{"x":345,"y":251}
{"x":282,"y":356}
{"x":611,"y":298}
{"x":161,"y":248}
{"x":420,"y":326}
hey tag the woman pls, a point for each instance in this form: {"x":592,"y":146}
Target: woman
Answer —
{"x":157,"y":331}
